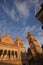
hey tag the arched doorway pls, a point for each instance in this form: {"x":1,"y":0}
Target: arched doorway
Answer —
{"x":9,"y":53}
{"x":1,"y":52}
{"x":12,"y":53}
{"x":16,"y":54}
{"x":5,"y":52}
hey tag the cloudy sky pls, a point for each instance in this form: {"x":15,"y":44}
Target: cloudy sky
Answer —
{"x":17,"y":17}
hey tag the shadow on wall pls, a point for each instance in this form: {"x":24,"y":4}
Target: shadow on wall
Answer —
{"x":36,"y":60}
{"x":24,"y":58}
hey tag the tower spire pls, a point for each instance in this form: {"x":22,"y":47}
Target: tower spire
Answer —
{"x":34,"y":46}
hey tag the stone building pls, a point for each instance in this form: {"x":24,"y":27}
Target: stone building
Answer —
{"x":12,"y":52}
{"x":36,"y":56}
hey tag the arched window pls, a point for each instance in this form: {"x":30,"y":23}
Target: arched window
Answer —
{"x":1,"y":51}
{"x":12,"y":53}
{"x":16,"y":54}
{"x":5,"y":52}
{"x":9,"y":53}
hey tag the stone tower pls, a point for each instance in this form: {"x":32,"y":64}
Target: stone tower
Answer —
{"x":34,"y":46}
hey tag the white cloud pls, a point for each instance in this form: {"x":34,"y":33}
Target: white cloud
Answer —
{"x":40,"y":29}
{"x":40,"y":33}
{"x":22,"y":8}
{"x":11,"y":13}
{"x":40,"y":39}
{"x":37,"y":8}
{"x":28,"y":28}
{"x":25,"y":6}
{"x":35,"y":4}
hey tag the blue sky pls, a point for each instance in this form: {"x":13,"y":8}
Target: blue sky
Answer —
{"x":17,"y":17}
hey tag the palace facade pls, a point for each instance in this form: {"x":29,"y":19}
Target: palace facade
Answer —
{"x":12,"y":52}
